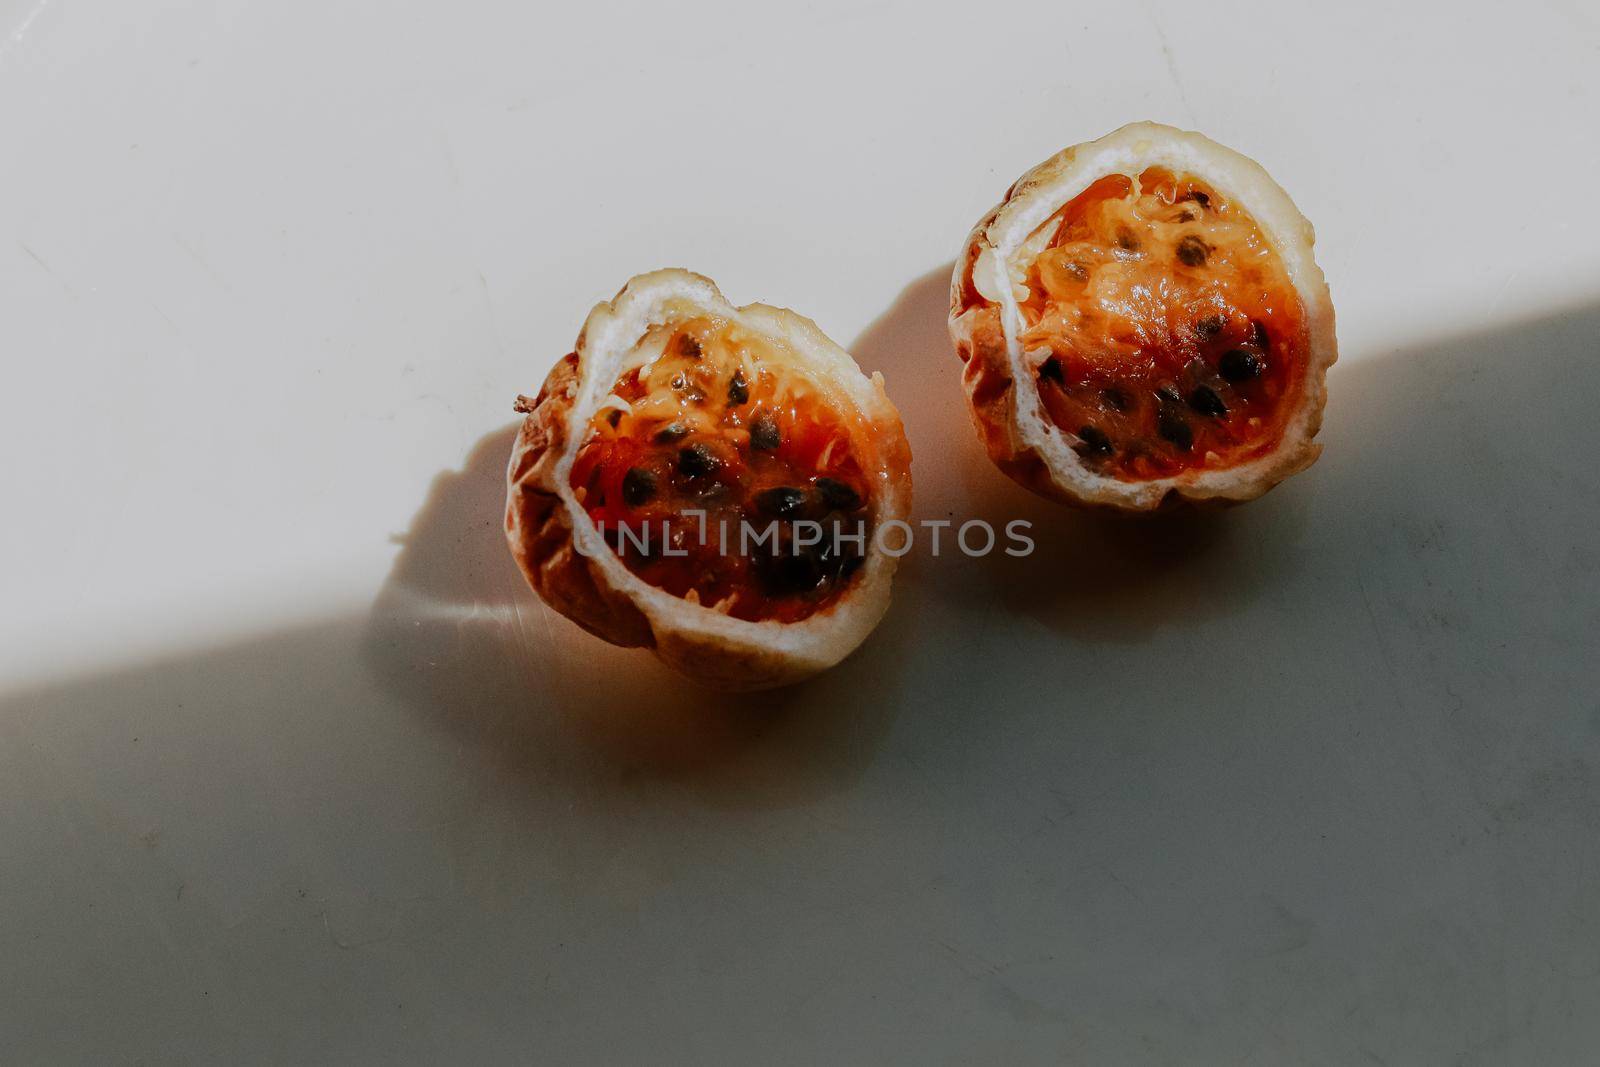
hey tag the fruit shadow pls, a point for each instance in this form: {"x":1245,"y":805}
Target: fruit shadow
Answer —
{"x":1090,"y":575}
{"x":456,"y":632}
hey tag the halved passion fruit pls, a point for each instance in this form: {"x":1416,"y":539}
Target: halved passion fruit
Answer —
{"x":1142,"y":321}
{"x":707,"y":480}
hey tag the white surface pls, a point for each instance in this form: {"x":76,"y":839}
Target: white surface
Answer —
{"x":1311,"y":782}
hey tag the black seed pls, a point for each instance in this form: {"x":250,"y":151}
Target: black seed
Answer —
{"x":1169,"y":394}
{"x":1205,"y":400}
{"x":764,"y":436}
{"x":738,"y":389}
{"x":638,"y":487}
{"x":689,"y":346}
{"x":1172,"y":427}
{"x":1262,"y":341}
{"x":696,"y":460}
{"x":782,"y":502}
{"x":615,"y":416}
{"x":1240,"y":366}
{"x":1209,"y":327}
{"x":1094,"y":443}
{"x":1196,"y":195}
{"x":672,"y":431}
{"x":1126,"y":240}
{"x":1185,"y":216}
{"x":690,"y":391}
{"x":838,"y":495}
{"x":1050,"y":371}
{"x":785,"y":569}
{"x":1192,"y":251}
{"x":789,"y":573}
{"x":1115,"y":398}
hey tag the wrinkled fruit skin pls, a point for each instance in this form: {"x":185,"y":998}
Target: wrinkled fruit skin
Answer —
{"x":540,"y":529}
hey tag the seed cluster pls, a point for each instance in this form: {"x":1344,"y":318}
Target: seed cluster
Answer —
{"x":1211,"y":386}
{"x":1166,"y":324}
{"x":792,"y":565}
{"x":715,"y":440}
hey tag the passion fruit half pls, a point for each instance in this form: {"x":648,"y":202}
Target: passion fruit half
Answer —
{"x":708,"y":481}
{"x":1142,"y":323}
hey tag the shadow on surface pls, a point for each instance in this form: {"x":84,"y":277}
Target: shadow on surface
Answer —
{"x":1109,"y":577}
{"x":1349,"y":755}
{"x":457,"y":633}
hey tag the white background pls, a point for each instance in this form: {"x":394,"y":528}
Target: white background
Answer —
{"x":293,"y":769}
